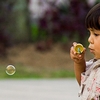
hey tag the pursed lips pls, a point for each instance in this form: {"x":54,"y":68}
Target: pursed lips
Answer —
{"x":91,"y":49}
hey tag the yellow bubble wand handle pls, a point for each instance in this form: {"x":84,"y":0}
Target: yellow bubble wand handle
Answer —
{"x":79,"y":48}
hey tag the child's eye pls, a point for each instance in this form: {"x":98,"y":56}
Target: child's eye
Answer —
{"x":96,"y":34}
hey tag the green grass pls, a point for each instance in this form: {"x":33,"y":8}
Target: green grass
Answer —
{"x":29,"y":72}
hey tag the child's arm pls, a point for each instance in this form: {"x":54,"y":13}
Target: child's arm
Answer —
{"x":79,"y":62}
{"x":78,"y":69}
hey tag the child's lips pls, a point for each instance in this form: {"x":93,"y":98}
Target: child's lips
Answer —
{"x":91,"y":50}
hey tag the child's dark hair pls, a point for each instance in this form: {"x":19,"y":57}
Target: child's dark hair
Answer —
{"x":93,"y":18}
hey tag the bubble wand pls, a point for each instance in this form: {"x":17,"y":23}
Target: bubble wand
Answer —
{"x":79,"y":48}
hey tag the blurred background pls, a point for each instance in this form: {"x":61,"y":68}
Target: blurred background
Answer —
{"x":36,"y":35}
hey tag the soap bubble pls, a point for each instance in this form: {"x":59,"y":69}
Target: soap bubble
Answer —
{"x":10,"y":69}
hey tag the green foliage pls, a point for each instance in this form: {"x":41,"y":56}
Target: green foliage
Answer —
{"x":65,"y":39}
{"x":34,"y":32}
{"x":37,"y":34}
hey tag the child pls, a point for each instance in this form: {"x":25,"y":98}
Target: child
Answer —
{"x":88,"y":73}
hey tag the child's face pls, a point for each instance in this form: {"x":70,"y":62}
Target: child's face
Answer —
{"x":94,"y":40}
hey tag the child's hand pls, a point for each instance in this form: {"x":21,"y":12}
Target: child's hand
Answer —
{"x":77,"y":57}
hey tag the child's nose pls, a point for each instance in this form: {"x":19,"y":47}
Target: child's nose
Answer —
{"x":90,"y":39}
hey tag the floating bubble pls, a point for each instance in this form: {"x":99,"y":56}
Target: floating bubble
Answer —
{"x":10,"y":69}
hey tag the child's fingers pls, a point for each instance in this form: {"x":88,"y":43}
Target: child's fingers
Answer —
{"x":72,"y":50}
{"x":74,"y":44}
{"x":73,"y":54}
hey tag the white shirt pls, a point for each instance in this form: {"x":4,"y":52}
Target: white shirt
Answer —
{"x":90,"y":81}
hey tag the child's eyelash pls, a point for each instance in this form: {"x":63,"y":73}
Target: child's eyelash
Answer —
{"x":96,"y":34}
